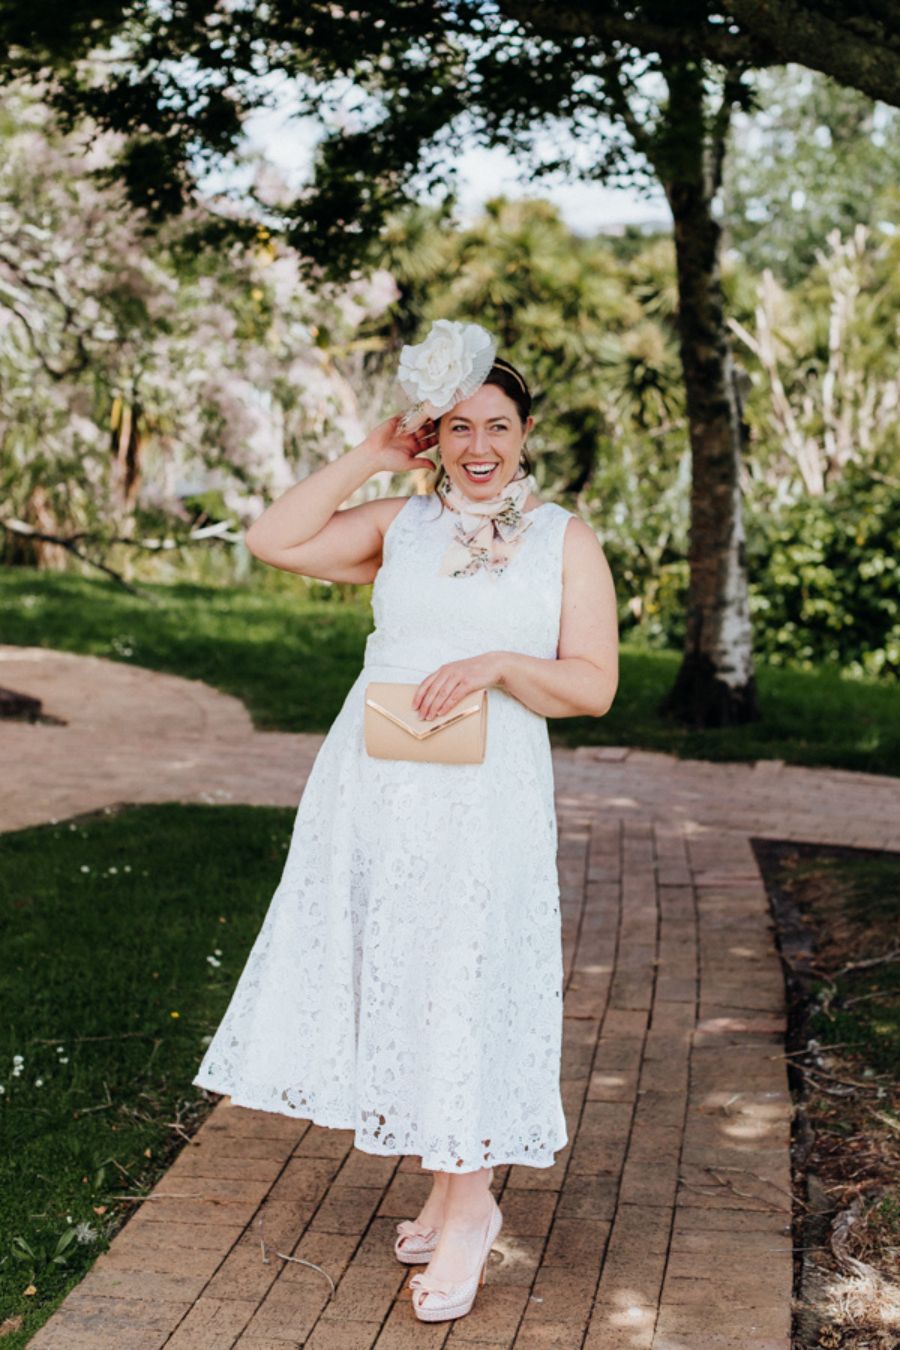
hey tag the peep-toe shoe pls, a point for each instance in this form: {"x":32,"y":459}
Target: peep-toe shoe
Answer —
{"x":440,"y":1300}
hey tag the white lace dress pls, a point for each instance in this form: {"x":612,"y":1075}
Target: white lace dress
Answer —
{"x":407,"y":979}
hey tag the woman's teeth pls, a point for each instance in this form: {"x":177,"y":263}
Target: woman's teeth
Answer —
{"x":479,"y":471}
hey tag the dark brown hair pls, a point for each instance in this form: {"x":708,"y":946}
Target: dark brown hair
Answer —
{"x":503,"y":374}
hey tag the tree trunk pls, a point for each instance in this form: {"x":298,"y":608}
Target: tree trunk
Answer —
{"x":715,"y":686}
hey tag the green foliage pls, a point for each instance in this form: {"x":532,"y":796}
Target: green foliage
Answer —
{"x":825,"y":579}
{"x":822,"y":383}
{"x":207,"y":508}
{"x":824,"y":582}
{"x":813,"y":156}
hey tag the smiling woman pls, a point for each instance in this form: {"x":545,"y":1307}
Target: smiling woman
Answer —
{"x":407,"y":980}
{"x":489,"y":430}
{"x":465,"y":440}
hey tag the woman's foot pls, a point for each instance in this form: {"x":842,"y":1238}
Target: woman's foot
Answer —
{"x":461,"y":1235}
{"x":436,"y":1299}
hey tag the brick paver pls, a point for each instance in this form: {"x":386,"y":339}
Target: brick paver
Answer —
{"x":665,"y":1222}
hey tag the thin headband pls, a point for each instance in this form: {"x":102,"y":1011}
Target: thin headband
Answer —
{"x":510,"y":371}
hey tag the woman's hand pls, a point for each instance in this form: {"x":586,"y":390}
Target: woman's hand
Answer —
{"x":398,"y":450}
{"x":450,"y":683}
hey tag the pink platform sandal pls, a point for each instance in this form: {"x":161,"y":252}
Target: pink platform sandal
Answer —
{"x":439,"y":1301}
{"x":414,"y":1245}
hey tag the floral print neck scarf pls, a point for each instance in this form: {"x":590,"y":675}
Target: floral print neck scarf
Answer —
{"x":488,"y":532}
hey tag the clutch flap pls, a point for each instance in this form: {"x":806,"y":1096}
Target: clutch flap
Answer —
{"x":387,"y":704}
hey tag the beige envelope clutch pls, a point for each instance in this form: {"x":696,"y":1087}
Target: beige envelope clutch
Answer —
{"x":394,"y":730}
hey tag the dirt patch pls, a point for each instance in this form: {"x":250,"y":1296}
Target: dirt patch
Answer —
{"x":837,"y":913}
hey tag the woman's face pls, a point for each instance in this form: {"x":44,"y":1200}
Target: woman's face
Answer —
{"x":482,"y":432}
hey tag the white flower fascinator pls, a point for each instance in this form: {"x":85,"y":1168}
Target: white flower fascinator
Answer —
{"x":449,"y":365}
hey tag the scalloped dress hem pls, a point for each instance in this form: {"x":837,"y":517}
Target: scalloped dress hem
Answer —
{"x":430,"y":1162}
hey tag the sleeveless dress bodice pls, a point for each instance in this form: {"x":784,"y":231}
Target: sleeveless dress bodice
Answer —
{"x":424,"y":619}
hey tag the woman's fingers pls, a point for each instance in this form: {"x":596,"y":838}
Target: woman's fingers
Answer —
{"x":424,"y":698}
{"x":440,"y":699}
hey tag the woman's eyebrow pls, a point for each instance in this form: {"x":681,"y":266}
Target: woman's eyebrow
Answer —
{"x":501,"y":417}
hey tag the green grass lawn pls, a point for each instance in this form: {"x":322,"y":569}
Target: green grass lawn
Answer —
{"x":291,"y":653}
{"x":107,"y":924}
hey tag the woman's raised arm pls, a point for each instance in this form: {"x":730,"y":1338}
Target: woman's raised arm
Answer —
{"x":304,"y":531}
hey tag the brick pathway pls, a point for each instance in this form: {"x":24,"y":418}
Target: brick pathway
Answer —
{"x":665,"y":1223}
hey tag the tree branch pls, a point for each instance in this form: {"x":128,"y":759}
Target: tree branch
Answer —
{"x":19,"y":527}
{"x":770,"y":35}
{"x":791,"y":31}
{"x":46,"y":288}
{"x":719,"y":125}
{"x":678,"y":42}
{"x":617,"y":93}
{"x":218,"y":530}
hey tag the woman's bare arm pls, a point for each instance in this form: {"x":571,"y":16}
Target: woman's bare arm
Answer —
{"x":304,"y":531}
{"x":583,"y":679}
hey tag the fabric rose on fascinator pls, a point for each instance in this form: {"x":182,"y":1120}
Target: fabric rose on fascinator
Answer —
{"x":448,"y":366}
